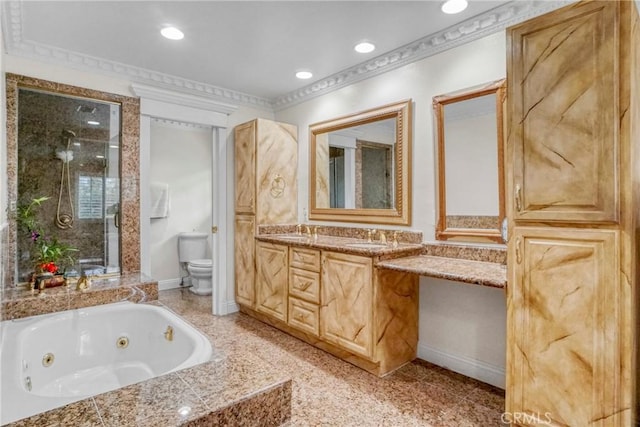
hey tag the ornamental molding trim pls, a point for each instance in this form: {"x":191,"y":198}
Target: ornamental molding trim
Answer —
{"x":180,"y":124}
{"x":470,"y":30}
{"x":179,"y":98}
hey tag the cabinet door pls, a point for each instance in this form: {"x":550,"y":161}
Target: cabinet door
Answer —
{"x":244,"y":259}
{"x":271,"y":281}
{"x":245,"y":152}
{"x":563,"y":362}
{"x":563,"y":78}
{"x":346,"y":302}
{"x":277,"y":173}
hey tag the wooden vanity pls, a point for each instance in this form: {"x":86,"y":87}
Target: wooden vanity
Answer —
{"x":331,"y":295}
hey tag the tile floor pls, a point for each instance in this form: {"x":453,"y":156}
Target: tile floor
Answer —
{"x":330,"y":392}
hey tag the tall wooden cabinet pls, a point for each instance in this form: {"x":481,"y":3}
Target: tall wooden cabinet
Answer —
{"x":572,"y":172}
{"x":266,"y":160}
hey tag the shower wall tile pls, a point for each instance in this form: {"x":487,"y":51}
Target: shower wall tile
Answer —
{"x":50,"y":176}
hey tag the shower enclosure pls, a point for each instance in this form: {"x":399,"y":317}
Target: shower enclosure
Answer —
{"x":69,"y":151}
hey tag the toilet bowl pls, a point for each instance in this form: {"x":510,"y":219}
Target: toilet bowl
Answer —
{"x":200,"y":272}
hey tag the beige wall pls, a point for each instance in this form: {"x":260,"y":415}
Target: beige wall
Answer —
{"x":181,"y":157}
{"x":454,"y":327}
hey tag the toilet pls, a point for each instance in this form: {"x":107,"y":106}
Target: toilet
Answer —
{"x":192,"y":249}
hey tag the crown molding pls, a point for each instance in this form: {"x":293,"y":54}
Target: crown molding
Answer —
{"x":179,"y":98}
{"x":180,"y":124}
{"x":472,"y":29}
{"x":16,"y":45}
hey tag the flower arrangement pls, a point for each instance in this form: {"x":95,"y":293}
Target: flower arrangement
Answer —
{"x":49,"y":255}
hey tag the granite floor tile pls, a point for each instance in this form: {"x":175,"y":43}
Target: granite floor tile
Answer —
{"x":327,"y":391}
{"x":144,"y":404}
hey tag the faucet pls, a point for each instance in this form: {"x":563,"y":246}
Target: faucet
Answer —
{"x":83,"y":284}
{"x":383,"y":238}
{"x":315,"y":233}
{"x":168,"y":334}
{"x":395,"y":239}
{"x":370,"y":233}
{"x":299,"y":229}
{"x":307,"y":231}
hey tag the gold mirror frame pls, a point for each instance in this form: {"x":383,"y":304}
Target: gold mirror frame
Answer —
{"x":129,"y":165}
{"x":401,"y":213}
{"x":443,"y":231}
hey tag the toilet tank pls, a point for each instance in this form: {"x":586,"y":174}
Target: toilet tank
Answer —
{"x":192,"y":246}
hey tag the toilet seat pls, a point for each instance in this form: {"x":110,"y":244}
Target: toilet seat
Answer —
{"x":201,"y":263}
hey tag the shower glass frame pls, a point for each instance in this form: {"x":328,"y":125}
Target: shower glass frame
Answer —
{"x":127,"y":235}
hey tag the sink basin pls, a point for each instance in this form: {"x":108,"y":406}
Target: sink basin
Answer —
{"x":366,"y":245}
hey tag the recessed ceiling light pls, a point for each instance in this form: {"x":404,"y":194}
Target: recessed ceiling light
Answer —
{"x":93,"y":122}
{"x":454,"y":6}
{"x":99,"y":156}
{"x":365,"y":47}
{"x":114,"y":146}
{"x":304,"y":75}
{"x":172,"y":33}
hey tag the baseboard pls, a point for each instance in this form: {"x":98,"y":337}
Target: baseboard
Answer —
{"x":163,"y":285}
{"x":232,"y":307}
{"x":481,"y":371}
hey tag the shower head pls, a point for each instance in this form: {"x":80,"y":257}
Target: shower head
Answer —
{"x":68,"y":133}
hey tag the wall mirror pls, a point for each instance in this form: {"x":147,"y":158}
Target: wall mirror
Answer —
{"x":66,"y":144}
{"x":360,"y":167}
{"x":469,"y":128}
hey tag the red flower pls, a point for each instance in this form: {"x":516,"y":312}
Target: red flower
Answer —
{"x":50,"y":267}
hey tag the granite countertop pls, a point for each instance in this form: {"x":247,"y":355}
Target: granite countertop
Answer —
{"x":343,"y":244}
{"x":462,"y":270}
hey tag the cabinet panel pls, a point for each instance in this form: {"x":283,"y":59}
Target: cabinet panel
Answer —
{"x":245,"y":152}
{"x":307,"y":259}
{"x":564,"y":353}
{"x":563,"y":77}
{"x":244,"y":259}
{"x":271,"y":280}
{"x":276,"y":172}
{"x":304,"y":316}
{"x":305,"y":285}
{"x":347,"y":302}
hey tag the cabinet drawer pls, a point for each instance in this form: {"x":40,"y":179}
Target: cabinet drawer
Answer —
{"x":304,"y":316}
{"x":308,"y":259}
{"x":304,"y":284}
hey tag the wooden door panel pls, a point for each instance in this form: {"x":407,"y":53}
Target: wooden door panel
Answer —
{"x":346,"y":302}
{"x":245,"y":152}
{"x":244,"y":260}
{"x":272,"y":276}
{"x":563,"y":78}
{"x":564,"y":347}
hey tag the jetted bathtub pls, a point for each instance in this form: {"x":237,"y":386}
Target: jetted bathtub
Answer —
{"x":54,"y":359}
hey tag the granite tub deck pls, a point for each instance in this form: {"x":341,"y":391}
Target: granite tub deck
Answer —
{"x":327,"y":391}
{"x":241,"y":390}
{"x":18,"y":302}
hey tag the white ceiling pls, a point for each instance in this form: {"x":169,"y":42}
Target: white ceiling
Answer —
{"x":252,"y":47}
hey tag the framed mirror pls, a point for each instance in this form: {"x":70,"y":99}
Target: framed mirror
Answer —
{"x":360,"y":167}
{"x":469,"y":127}
{"x":75,"y":152}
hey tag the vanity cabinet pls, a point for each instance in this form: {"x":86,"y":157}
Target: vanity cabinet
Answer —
{"x":346,"y":311}
{"x":266,"y":160}
{"x":339,"y":302}
{"x":271,"y":279}
{"x":573,"y":208}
